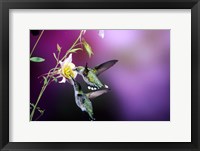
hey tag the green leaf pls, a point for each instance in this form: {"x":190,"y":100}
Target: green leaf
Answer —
{"x":74,"y":50}
{"x":37,"y":59}
{"x":45,"y":80}
{"x":55,"y":79}
{"x":87,"y":47}
{"x":59,"y":48}
{"x":32,"y":104}
{"x":40,"y":110}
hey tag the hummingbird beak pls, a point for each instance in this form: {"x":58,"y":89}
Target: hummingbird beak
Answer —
{"x":72,"y":78}
{"x":75,"y":69}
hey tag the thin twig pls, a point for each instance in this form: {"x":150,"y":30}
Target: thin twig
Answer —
{"x":36,"y":43}
{"x":39,"y":116}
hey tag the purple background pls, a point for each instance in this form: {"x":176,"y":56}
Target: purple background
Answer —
{"x":139,"y":82}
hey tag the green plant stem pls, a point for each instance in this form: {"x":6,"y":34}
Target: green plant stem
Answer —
{"x":49,"y":77}
{"x":38,"y":99}
{"x":36,"y":43}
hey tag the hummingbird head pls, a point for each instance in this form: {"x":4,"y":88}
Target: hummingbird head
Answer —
{"x":79,"y":69}
{"x":82,"y":70}
{"x":85,"y":72}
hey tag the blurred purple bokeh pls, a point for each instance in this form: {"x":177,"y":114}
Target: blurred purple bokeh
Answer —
{"x":139,"y":82}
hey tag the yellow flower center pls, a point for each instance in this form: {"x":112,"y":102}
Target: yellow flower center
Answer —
{"x":67,"y":70}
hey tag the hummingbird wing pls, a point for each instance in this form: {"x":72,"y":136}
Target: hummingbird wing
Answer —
{"x":104,"y":66}
{"x":92,"y":95}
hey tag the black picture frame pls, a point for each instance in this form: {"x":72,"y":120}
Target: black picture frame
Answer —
{"x":5,"y":5}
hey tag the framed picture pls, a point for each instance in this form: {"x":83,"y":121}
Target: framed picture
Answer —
{"x":111,"y":75}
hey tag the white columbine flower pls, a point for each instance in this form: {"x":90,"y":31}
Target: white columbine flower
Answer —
{"x":101,"y":33}
{"x":67,"y":70}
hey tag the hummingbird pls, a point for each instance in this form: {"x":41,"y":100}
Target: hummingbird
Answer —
{"x":90,"y":75}
{"x":83,"y":100}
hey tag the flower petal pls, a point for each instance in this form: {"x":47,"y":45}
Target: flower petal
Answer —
{"x":63,"y":80}
{"x":72,"y":66}
{"x":75,"y":74}
{"x":70,"y":81}
{"x":67,"y":60}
